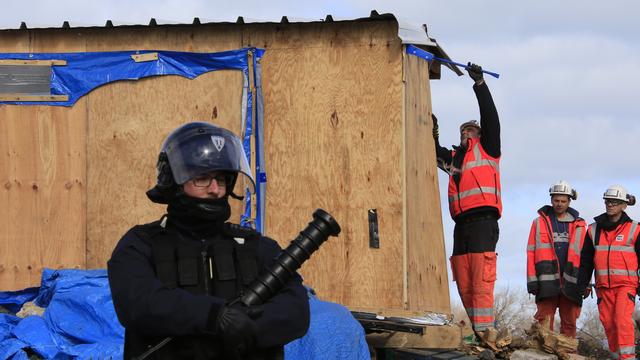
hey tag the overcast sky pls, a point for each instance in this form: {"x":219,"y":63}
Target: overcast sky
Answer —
{"x":567,"y":95}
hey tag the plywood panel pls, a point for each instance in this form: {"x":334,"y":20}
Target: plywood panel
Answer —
{"x":129,"y":120}
{"x":333,"y":135}
{"x":43,"y":179}
{"x":43,"y":192}
{"x":427,"y":283}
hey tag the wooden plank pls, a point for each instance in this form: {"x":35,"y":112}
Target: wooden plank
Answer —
{"x":145,"y":57}
{"x":43,"y":180}
{"x":427,"y":282}
{"x":434,"y":337}
{"x":24,"y":97}
{"x":42,"y":188}
{"x":33,"y":62}
{"x":333,"y":102}
{"x":128,"y":122}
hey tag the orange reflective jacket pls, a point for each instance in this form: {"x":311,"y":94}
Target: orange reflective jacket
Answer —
{"x":543,"y":269}
{"x":615,"y":259}
{"x":479,"y":181}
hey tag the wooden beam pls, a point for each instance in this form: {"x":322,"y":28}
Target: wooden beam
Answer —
{"x":434,"y":337}
{"x":33,"y":62}
{"x":145,"y":57}
{"x":24,"y":97}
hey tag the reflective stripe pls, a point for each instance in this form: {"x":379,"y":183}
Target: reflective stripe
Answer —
{"x":576,"y":240}
{"x":531,"y":247}
{"x":621,"y":248}
{"x":570,"y":278}
{"x":631,"y":232}
{"x":627,"y":350}
{"x":545,"y":246}
{"x":532,"y":278}
{"x":560,"y":239}
{"x":476,"y":191}
{"x":603,"y":272}
{"x":549,"y":277}
{"x":479,"y":312}
{"x":593,"y":232}
{"x":482,"y":326}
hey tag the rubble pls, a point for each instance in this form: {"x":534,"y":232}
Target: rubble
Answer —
{"x":29,"y":308}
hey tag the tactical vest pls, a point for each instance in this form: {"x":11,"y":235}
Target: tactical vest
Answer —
{"x":220,"y":266}
{"x":615,"y":259}
{"x":479,"y":181}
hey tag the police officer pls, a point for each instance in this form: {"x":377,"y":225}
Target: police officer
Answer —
{"x":177,"y":277}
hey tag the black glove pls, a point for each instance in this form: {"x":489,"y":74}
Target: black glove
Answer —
{"x":475,"y":72}
{"x":236,"y":326}
{"x":436,"y":129}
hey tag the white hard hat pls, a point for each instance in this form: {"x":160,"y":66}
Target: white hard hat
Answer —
{"x":563,"y":188}
{"x":618,"y":192}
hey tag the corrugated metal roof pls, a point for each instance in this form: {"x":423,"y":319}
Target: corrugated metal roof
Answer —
{"x":409,"y":33}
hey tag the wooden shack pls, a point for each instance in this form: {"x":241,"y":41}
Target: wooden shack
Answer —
{"x":347,"y":128}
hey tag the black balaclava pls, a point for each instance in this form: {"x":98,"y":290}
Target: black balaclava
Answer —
{"x":198,"y":215}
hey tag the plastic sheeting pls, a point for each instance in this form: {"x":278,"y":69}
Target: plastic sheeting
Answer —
{"x":334,"y":334}
{"x":79,"y":322}
{"x":89,"y":70}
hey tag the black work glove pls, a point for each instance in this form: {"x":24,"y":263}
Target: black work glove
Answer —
{"x":475,"y":72}
{"x":237,"y":329}
{"x":436,"y":129}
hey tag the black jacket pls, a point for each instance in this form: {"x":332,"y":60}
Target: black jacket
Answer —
{"x":150,"y":310}
{"x":490,"y":141}
{"x":588,"y":251}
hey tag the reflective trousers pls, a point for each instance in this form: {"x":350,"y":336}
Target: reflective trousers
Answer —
{"x":615,"y":306}
{"x":473,"y":265}
{"x":569,"y":313}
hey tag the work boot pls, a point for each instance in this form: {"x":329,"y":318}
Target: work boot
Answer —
{"x":488,"y":338}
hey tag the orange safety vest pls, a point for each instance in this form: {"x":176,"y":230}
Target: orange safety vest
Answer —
{"x":479,"y":181}
{"x":543,"y":270}
{"x":615,"y":257}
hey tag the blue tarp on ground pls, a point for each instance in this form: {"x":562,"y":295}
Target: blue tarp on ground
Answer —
{"x":80,"y":323}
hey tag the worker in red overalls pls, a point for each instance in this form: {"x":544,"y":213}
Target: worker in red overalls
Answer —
{"x":612,"y":247}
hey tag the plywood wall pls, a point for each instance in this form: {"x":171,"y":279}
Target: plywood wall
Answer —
{"x":333,"y":138}
{"x":340,"y":124}
{"x":425,"y":253}
{"x":43,"y":183}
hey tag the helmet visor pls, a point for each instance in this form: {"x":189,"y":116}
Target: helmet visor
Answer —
{"x":199,"y":151}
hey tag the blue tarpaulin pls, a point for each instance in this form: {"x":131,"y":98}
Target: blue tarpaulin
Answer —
{"x":89,"y":70}
{"x":79,"y":322}
{"x":86,"y":71}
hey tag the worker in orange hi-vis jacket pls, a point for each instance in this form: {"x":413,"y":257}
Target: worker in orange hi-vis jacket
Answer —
{"x":475,"y":205}
{"x":612,"y":247}
{"x":553,"y":259}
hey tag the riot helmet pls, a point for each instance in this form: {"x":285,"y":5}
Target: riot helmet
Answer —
{"x":195,"y":149}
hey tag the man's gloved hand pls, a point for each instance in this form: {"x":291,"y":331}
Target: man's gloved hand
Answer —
{"x":475,"y":72}
{"x":236,"y":326}
{"x":587,"y":292}
{"x":436,"y":129}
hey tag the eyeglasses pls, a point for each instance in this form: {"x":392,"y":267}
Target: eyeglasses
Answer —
{"x":613,"y":202}
{"x":204,"y":181}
